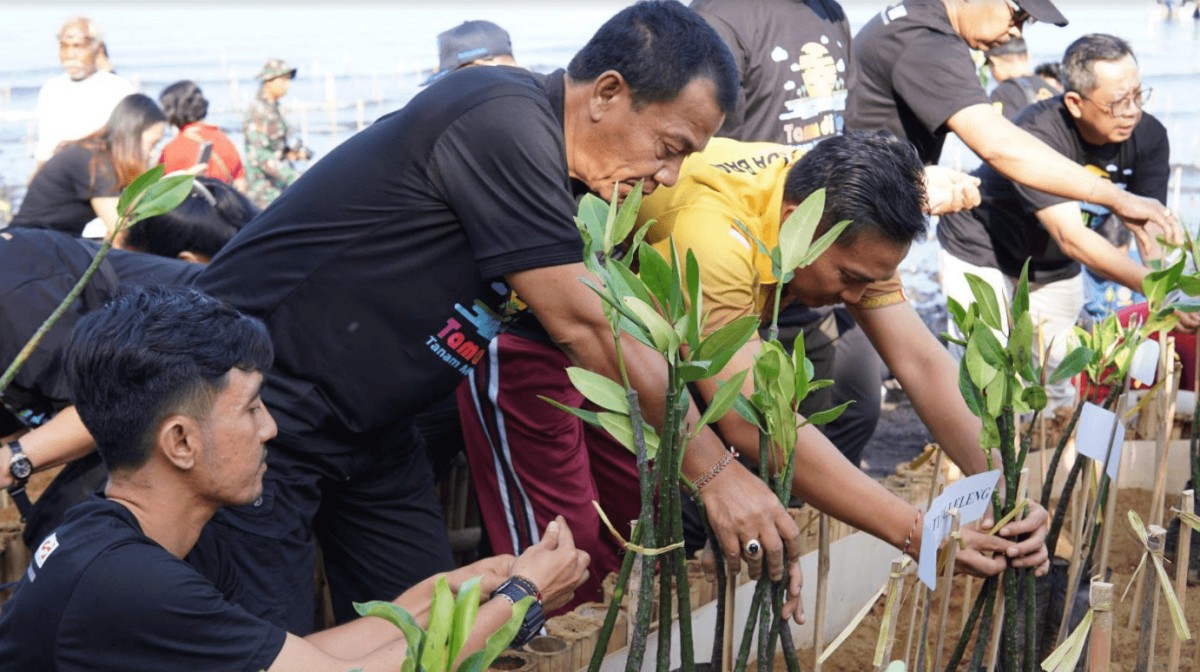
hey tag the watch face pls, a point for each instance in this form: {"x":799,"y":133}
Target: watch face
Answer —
{"x":21,"y":468}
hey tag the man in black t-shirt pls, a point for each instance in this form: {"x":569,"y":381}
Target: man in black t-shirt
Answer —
{"x":383,"y":271}
{"x":168,"y":383}
{"x":1016,"y":85}
{"x":916,"y":78}
{"x":1099,"y":125}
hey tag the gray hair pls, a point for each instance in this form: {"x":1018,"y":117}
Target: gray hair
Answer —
{"x":90,"y":28}
{"x":1078,"y":74}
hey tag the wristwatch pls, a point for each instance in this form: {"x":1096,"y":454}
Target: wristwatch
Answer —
{"x":19,"y":466}
{"x":514,"y":590}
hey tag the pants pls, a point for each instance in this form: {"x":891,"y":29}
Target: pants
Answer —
{"x":1054,"y":305}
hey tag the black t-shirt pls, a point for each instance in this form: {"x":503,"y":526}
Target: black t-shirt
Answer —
{"x":60,"y":194}
{"x":1015,"y":94}
{"x":37,"y":270}
{"x":793,"y":57}
{"x":914,"y":73}
{"x":101,"y":595}
{"x":380,"y":271}
{"x":1004,"y":230}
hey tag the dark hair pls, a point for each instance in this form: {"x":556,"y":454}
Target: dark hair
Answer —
{"x":206,"y":220}
{"x":872,"y":179}
{"x":1078,"y":75}
{"x":184,"y":103}
{"x":1049,"y":69}
{"x":120,"y":141}
{"x":659,"y":47}
{"x":153,"y":352}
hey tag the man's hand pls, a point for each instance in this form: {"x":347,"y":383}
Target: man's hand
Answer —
{"x":988,"y":555}
{"x":554,"y":564}
{"x":742,"y":508}
{"x":1158,"y":220}
{"x":793,"y":607}
{"x":492,"y":571}
{"x":949,"y":190}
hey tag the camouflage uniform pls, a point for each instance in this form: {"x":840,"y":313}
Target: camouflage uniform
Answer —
{"x":268,"y":170}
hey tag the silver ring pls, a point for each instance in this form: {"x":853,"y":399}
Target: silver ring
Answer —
{"x":753,"y":548}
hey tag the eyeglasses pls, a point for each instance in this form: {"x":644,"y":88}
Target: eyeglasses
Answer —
{"x":1134,"y":101}
{"x":1020,"y":17}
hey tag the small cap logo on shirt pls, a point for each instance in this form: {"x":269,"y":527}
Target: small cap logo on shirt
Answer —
{"x":45,"y":549}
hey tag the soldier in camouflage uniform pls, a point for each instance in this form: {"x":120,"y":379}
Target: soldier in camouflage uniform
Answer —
{"x":268,"y":156}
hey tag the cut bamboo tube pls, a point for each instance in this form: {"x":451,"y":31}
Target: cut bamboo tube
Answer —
{"x":895,"y":595}
{"x":549,"y":654}
{"x":822,"y":590}
{"x":948,"y":585}
{"x":918,"y":595}
{"x":1145,"y":656}
{"x":1100,"y":638}
{"x":1183,"y":559}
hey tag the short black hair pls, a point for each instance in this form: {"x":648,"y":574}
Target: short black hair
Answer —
{"x":659,"y":47}
{"x":1051,"y":70}
{"x":184,"y":103}
{"x":873,"y":179}
{"x":198,"y":224}
{"x":152,"y":352}
{"x":1078,"y":73}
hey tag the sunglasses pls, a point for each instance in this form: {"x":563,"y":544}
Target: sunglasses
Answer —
{"x":1020,"y":17}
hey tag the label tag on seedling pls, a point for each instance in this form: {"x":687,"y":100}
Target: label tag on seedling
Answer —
{"x":1095,"y":429}
{"x":972,"y":497}
{"x":1145,"y":363}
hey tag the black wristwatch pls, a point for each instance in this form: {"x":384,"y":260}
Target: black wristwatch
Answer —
{"x":514,"y":590}
{"x":19,"y":466}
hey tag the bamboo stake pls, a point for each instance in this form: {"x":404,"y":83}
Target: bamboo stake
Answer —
{"x":895,"y":594}
{"x":1100,"y":641}
{"x":1041,"y":341}
{"x":1145,"y":658}
{"x":968,"y":595}
{"x":918,"y":596}
{"x":822,"y":589}
{"x":997,"y":628}
{"x":949,"y":586}
{"x":730,"y":606}
{"x":1183,"y":558}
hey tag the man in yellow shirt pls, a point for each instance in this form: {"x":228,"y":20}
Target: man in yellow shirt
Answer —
{"x":525,"y":455}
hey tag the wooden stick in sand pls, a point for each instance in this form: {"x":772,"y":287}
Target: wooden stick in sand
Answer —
{"x":1100,"y":638}
{"x":895,"y":595}
{"x":822,"y":590}
{"x":1145,"y":657}
{"x":918,"y":595}
{"x":948,"y":588}
{"x":1183,"y":557}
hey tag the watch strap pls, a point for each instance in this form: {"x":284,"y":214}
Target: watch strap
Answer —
{"x":17,"y":489}
{"x":535,"y":619}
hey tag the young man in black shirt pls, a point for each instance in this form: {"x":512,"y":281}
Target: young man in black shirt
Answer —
{"x":1017,"y":87}
{"x":1097,"y":124}
{"x":168,"y":383}
{"x":382,"y":274}
{"x":916,"y":79}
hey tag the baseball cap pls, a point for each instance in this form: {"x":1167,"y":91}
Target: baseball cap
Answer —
{"x":469,"y":42}
{"x":1013,"y":46}
{"x":1043,"y":10}
{"x":275,"y":67}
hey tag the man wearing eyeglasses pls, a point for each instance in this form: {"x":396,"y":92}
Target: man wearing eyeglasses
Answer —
{"x":1099,"y":125}
{"x":917,"y":79}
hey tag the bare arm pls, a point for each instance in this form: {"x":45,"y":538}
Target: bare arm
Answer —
{"x":1089,"y":248}
{"x":105,"y":208}
{"x":1020,"y":157}
{"x":60,"y":440}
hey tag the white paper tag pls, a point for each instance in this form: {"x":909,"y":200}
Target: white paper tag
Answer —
{"x":1092,"y":438}
{"x":971,"y":496}
{"x":1144,"y":365}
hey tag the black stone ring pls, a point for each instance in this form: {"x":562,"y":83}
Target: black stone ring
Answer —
{"x":753,"y":548}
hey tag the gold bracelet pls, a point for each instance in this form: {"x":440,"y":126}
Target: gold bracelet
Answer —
{"x":715,"y":469}
{"x":909,"y":539}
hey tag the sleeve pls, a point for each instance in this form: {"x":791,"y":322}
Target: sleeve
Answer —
{"x":882,"y":294}
{"x":1152,"y":169}
{"x":508,"y":186}
{"x":159,"y":615}
{"x":936,"y":77}
{"x":1048,"y":125}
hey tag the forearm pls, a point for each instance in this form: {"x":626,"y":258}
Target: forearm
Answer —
{"x":60,"y":440}
{"x":350,"y":640}
{"x":1092,"y":250}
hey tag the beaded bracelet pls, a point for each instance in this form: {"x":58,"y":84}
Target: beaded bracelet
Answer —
{"x":909,"y":539}
{"x":528,"y":584}
{"x":715,"y":469}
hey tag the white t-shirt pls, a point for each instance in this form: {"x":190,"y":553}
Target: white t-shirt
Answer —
{"x":69,"y":110}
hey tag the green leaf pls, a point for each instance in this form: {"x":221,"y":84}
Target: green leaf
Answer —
{"x":441,"y":620}
{"x":1190,"y":284}
{"x":587,"y":416}
{"x":985,"y":298}
{"x":957,"y":313}
{"x":500,"y":639}
{"x":161,"y":197}
{"x":635,"y":244}
{"x":466,"y":608}
{"x":627,"y":215}
{"x":796,"y":232}
{"x":762,"y":247}
{"x":828,"y":415}
{"x":397,"y":616}
{"x":727,"y":392}
{"x":749,"y":413}
{"x":1035,"y":397}
{"x":1072,"y":364}
{"x":981,"y":371}
{"x":695,"y":301}
{"x":610,"y":220}
{"x":1020,"y":341}
{"x":969,"y":392}
{"x":692,"y":371}
{"x":620,"y":427}
{"x":661,"y":333}
{"x":676,"y":308}
{"x":721,"y":345}
{"x":1020,"y":302}
{"x":656,"y":274}
{"x":818,"y":248}
{"x":624,"y":282}
{"x":996,"y":394}
{"x":139,"y":185}
{"x":989,"y":435}
{"x":600,"y":390}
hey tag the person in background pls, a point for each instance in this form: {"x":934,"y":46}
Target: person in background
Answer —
{"x":1017,"y":85}
{"x":186,"y":107}
{"x":1051,"y":73}
{"x":84,"y":179}
{"x":269,"y":152}
{"x":472,"y":43}
{"x":79,"y":101}
{"x":169,"y":381}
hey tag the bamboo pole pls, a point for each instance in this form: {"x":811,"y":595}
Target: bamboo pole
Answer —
{"x":730,"y":606}
{"x":1183,"y":559}
{"x":949,"y":587}
{"x":1100,"y":641}
{"x":968,"y":595}
{"x":822,"y":589}
{"x":895,"y":594}
{"x":997,"y":628}
{"x":919,"y":594}
{"x":1163,"y":445}
{"x":1145,"y":656}
{"x":1041,"y":341}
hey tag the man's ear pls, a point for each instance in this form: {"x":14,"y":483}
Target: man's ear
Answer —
{"x":178,"y":439}
{"x":1074,"y":103}
{"x":786,"y":211}
{"x":193,"y":257}
{"x":606,"y":90}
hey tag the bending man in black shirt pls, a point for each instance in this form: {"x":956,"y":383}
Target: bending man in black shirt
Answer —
{"x":168,"y":382}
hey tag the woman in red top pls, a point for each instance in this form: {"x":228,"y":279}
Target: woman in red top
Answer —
{"x":186,"y":108}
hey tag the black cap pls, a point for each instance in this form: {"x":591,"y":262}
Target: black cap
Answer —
{"x":1013,"y":46}
{"x":1043,"y":10}
{"x":469,"y":42}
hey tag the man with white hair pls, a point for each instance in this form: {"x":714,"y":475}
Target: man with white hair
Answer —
{"x":79,"y":101}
